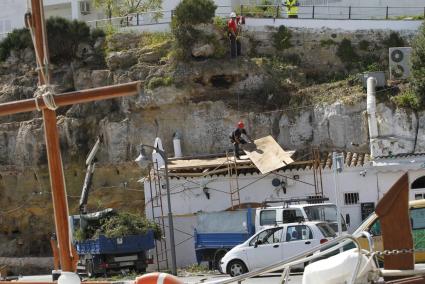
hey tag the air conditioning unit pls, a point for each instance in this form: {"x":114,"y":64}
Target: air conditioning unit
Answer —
{"x":399,"y":62}
{"x":85,"y":7}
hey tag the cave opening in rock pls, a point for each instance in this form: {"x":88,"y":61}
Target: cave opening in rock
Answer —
{"x":221,"y":81}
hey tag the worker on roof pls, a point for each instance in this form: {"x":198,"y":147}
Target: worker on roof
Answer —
{"x":292,"y":8}
{"x":233,"y":33}
{"x":236,"y":138}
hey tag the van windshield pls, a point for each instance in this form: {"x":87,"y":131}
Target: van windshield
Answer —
{"x":325,"y":213}
{"x":321,"y":213}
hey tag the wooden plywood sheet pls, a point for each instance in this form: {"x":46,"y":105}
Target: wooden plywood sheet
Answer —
{"x":267,"y":155}
{"x":203,"y":163}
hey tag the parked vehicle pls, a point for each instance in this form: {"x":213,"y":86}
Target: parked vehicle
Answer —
{"x":100,"y":255}
{"x":275,"y":244}
{"x":417,"y":219}
{"x":271,"y":216}
{"x":218,"y":232}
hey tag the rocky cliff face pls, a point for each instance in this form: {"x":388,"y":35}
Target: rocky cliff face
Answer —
{"x":201,"y":99}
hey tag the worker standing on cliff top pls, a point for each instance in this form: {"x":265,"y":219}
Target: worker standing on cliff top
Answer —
{"x":292,"y":8}
{"x":233,"y":32}
{"x":236,"y":138}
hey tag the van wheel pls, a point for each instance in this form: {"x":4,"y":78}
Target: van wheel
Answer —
{"x":89,"y":268}
{"x":236,"y":268}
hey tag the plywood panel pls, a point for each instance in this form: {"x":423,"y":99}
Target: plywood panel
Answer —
{"x":267,"y":155}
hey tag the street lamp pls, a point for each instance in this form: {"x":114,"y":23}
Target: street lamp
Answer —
{"x":143,"y":161}
{"x":338,"y":165}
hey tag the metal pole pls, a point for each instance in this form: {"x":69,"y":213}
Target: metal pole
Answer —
{"x":170,"y":215}
{"x":312,"y":16}
{"x":386,"y":13}
{"x":349,"y":12}
{"x":336,"y":187}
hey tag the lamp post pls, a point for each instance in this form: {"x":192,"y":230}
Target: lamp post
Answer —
{"x":143,"y":161}
{"x":338,"y":164}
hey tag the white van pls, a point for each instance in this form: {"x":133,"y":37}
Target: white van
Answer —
{"x":271,"y":216}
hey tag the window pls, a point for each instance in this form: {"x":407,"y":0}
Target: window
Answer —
{"x":292,"y":215}
{"x":417,"y":218}
{"x":418,"y":183}
{"x":268,"y":217}
{"x":269,"y":236}
{"x":375,"y":229}
{"x":326,"y":230}
{"x":298,"y":233}
{"x":351,"y":198}
{"x":419,"y":196}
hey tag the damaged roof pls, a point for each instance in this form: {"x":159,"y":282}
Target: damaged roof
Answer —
{"x":219,"y":164}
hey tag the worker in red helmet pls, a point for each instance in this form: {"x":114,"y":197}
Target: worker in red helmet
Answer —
{"x":236,"y":138}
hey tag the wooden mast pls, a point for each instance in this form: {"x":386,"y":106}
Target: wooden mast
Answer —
{"x":57,"y":182}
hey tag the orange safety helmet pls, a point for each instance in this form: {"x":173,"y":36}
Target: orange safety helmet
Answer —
{"x":240,"y":124}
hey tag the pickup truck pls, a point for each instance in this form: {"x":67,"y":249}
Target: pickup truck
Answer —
{"x":100,"y":255}
{"x":218,"y":232}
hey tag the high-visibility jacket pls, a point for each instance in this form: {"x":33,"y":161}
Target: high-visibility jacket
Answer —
{"x":291,"y":7}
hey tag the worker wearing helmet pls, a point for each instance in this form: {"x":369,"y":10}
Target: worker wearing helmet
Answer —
{"x":236,"y":138}
{"x":233,"y":32}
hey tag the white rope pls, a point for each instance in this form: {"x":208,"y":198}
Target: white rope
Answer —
{"x":46,"y":92}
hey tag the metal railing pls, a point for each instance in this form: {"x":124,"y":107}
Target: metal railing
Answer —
{"x":322,"y":12}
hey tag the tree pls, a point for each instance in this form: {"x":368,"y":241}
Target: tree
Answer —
{"x":418,"y":64}
{"x":121,"y":8}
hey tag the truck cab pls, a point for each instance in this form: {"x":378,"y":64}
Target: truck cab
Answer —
{"x":271,"y":216}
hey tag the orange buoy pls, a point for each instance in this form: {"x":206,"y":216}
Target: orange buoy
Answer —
{"x":158,"y":278}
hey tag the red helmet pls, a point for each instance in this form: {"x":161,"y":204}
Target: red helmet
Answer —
{"x":240,"y":124}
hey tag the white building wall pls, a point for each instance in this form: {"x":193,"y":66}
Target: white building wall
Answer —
{"x":11,"y":15}
{"x":187,"y":196}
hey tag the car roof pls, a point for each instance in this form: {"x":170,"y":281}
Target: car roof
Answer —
{"x":295,"y":206}
{"x":297,"y":223}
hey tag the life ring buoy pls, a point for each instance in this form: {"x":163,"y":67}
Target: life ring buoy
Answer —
{"x":157,"y":278}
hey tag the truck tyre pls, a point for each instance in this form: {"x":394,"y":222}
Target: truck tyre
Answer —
{"x":218,"y":255}
{"x":89,"y":268}
{"x":236,"y":268}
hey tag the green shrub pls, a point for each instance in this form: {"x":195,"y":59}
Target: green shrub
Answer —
{"x":418,"y":64}
{"x":63,"y":37}
{"x":346,"y":52}
{"x":393,"y":40}
{"x":18,"y":39}
{"x":266,"y":9}
{"x":150,"y":38}
{"x":327,"y":42}
{"x":282,"y":38}
{"x":186,"y":15}
{"x":407,"y":99}
{"x":194,"y":12}
{"x":95,"y":34}
{"x":364,"y":45}
{"x":156,"y":82}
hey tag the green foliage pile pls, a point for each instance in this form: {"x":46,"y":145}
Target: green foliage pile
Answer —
{"x":125,"y":224}
{"x":418,"y":64}
{"x":118,"y":225}
{"x":407,"y":99}
{"x":282,"y":38}
{"x":63,"y":36}
{"x":156,"y":82}
{"x":393,"y":40}
{"x":186,"y":15}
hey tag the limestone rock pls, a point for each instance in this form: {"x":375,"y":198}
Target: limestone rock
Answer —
{"x":83,"y":79}
{"x":203,"y":50}
{"x":101,"y":78}
{"x":122,"y":59}
{"x":123,"y":41}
